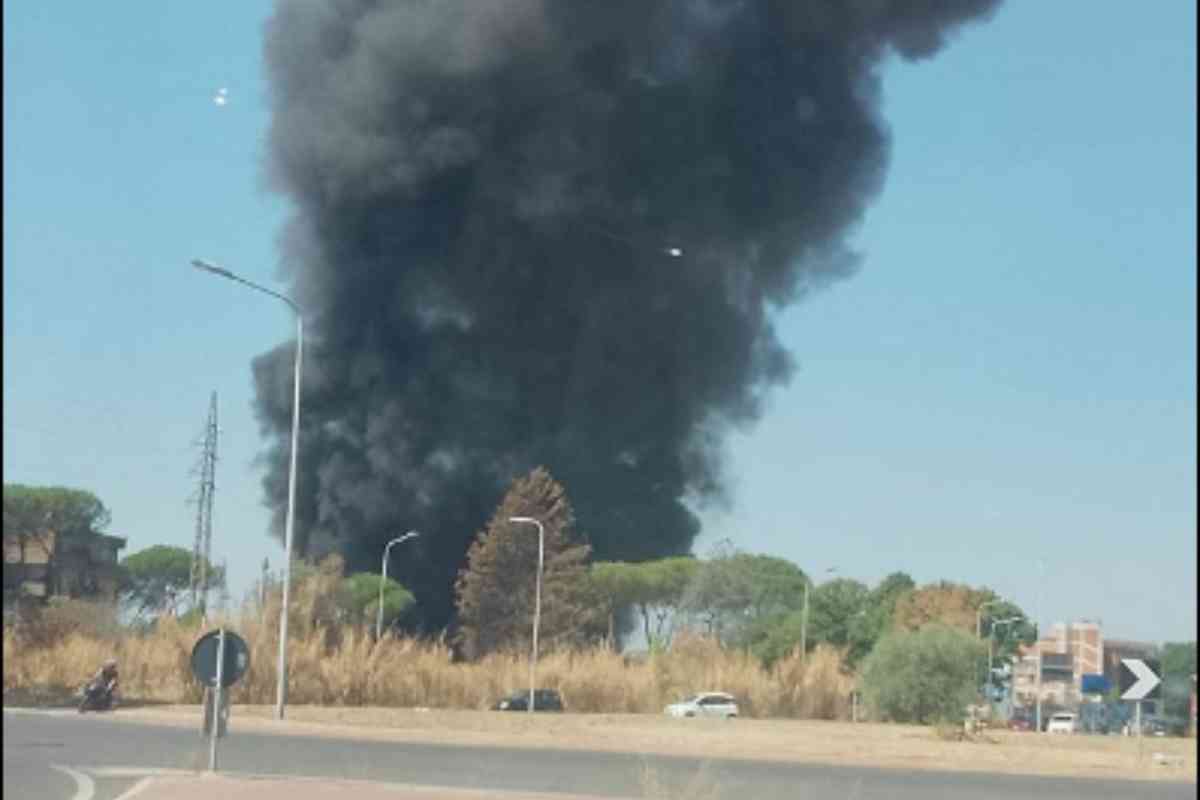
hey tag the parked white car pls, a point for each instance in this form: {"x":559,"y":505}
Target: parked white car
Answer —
{"x":1062,"y":723}
{"x":705,"y":704}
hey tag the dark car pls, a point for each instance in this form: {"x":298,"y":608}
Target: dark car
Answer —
{"x":543,"y":700}
{"x":1020,"y":724}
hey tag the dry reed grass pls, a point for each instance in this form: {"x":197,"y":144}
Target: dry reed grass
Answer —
{"x":344,"y":666}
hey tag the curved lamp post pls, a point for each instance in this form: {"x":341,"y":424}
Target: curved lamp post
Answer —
{"x":289,"y":525}
{"x":537,"y":602}
{"x":383,"y":580}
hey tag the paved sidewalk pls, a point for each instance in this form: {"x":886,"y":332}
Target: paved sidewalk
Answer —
{"x":205,"y":786}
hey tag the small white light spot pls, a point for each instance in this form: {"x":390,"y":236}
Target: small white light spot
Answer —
{"x":674,"y":252}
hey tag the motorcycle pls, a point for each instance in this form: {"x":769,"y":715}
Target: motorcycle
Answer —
{"x":96,"y":696}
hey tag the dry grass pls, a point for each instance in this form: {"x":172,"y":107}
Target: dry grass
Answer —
{"x":342,"y":666}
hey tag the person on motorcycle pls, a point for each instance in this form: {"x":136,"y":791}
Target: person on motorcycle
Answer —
{"x":107,"y":678}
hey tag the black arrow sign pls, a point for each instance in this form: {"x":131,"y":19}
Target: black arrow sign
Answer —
{"x":1134,"y":672}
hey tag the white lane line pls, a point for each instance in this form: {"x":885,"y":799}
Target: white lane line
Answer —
{"x":138,"y":772}
{"x":42,"y":712}
{"x":85,"y":787}
{"x":136,"y":789}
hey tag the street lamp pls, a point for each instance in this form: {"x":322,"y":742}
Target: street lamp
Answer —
{"x":383,"y":580}
{"x":979,"y":616}
{"x":289,"y":525}
{"x":537,"y":601}
{"x":995,"y":623}
{"x":979,"y":629}
{"x":1038,"y":644}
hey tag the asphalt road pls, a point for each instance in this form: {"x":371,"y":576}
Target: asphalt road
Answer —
{"x":37,"y":746}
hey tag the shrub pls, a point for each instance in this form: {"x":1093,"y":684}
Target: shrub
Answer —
{"x":926,"y":676}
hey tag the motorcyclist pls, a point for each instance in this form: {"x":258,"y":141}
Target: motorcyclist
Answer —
{"x":107,"y":679}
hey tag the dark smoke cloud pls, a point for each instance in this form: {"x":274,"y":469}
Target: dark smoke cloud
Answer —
{"x":485,"y":196}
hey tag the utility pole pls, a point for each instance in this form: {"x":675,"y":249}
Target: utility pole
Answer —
{"x":262,"y":585}
{"x":202,"y":546}
{"x":804,"y":625}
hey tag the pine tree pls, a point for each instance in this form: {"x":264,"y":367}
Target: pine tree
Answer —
{"x":496,"y":589}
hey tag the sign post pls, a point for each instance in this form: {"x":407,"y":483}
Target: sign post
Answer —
{"x":216,"y":728}
{"x":219,"y":660}
{"x":1139,"y":679}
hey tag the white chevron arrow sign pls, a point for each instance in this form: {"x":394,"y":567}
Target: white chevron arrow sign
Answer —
{"x":1145,"y":677}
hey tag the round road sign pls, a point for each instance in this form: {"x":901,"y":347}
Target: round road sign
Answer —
{"x":204,"y":658}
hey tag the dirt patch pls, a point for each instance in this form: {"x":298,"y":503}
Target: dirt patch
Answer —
{"x":806,"y":741}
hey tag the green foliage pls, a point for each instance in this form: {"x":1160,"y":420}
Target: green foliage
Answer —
{"x":842,"y":613}
{"x":834,"y":607}
{"x":1178,"y":667}
{"x":772,"y":637}
{"x":497,"y":589}
{"x":57,"y":507}
{"x":734,"y":594}
{"x":654,"y":589}
{"x":358,"y":600}
{"x":963,"y":607}
{"x":31,"y":512}
{"x":924,"y":676}
{"x":876,"y":618}
{"x":158,"y":579}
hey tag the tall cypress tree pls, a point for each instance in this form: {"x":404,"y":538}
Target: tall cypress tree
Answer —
{"x":496,"y":590}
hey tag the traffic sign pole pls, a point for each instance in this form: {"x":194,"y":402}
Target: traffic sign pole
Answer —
{"x":1139,"y":729}
{"x":216,"y":697}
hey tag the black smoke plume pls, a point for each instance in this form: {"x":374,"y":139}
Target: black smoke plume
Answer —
{"x":550,"y":232}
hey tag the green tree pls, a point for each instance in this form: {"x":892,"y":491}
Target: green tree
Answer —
{"x":33,"y":514}
{"x":660,"y":589}
{"x":654,"y":590}
{"x":1178,"y":666}
{"x":358,"y":600}
{"x":876,"y":618}
{"x":735,"y":595}
{"x":834,"y":607}
{"x":963,"y":607}
{"x":495,"y":592}
{"x":773,"y":636}
{"x":924,"y":676}
{"x":158,"y":579}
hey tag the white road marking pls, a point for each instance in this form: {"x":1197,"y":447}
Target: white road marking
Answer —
{"x":43,"y":712}
{"x":137,"y":772}
{"x":85,"y":787}
{"x":136,"y":789}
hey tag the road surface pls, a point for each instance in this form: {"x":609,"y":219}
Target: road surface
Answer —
{"x":61,"y":755}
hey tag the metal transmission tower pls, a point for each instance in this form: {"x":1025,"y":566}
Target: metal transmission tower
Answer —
{"x":202,"y":547}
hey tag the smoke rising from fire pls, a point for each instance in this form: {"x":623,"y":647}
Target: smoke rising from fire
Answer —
{"x":550,"y":232}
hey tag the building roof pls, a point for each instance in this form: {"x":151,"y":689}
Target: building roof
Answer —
{"x":1129,"y":644}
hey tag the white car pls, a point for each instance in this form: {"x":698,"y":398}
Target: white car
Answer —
{"x":1062,"y":723}
{"x":705,"y":704}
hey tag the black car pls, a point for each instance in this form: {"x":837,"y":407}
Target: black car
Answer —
{"x":543,"y":700}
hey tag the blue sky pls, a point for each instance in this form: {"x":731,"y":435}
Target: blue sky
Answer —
{"x":1010,"y":377}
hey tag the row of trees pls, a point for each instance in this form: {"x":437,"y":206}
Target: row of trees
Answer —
{"x":899,"y":636}
{"x":744,"y":600}
{"x":157,"y":581}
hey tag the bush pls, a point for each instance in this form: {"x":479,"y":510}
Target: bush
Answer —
{"x":922,"y":677}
